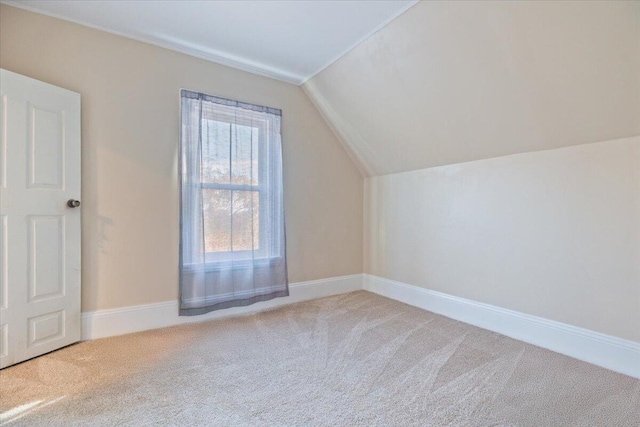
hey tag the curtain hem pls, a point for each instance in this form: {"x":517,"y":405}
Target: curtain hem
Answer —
{"x":196,"y":311}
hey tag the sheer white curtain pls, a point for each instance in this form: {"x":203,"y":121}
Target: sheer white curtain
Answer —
{"x":232,"y":238}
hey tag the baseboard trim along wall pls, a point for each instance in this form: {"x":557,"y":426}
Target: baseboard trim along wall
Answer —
{"x":599,"y":349}
{"x":119,"y":321}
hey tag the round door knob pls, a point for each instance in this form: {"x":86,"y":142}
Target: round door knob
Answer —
{"x":73,"y":203}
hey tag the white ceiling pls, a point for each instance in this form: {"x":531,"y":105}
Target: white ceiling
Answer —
{"x":451,"y":82}
{"x":286,"y":40}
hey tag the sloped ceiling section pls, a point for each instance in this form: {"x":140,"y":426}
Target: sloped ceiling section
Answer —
{"x":449,"y":82}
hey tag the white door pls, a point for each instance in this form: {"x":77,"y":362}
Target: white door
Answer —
{"x":39,"y":231}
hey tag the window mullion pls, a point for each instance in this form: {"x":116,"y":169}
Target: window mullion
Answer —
{"x":230,"y":187}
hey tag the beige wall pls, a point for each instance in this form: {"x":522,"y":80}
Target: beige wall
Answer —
{"x":553,"y":233}
{"x":455,"y":81}
{"x":130,"y":114}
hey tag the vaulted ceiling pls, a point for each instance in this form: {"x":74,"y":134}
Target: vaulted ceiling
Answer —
{"x":283,"y":39}
{"x":442,"y":83}
{"x":449,"y":82}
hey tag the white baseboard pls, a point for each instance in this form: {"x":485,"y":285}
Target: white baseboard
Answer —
{"x":599,"y":349}
{"x":106,"y":323}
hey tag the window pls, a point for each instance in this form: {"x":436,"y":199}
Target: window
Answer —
{"x":234,"y":184}
{"x":231,"y":168}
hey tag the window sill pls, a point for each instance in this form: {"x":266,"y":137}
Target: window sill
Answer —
{"x":232,"y":264}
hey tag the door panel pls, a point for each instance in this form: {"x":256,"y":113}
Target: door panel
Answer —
{"x":40,"y":240}
{"x":3,"y":262}
{"x":46,"y":257}
{"x":3,"y":139}
{"x":46,"y":148}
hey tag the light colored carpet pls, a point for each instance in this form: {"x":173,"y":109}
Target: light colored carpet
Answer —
{"x":356,"y":359}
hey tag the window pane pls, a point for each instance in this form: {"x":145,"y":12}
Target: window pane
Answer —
{"x":217,"y":220}
{"x":216,"y":151}
{"x":229,"y":153}
{"x":228,"y":229}
{"x":244,"y":153}
{"x":246,"y":220}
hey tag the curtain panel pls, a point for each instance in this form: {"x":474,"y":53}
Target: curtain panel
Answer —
{"x":232,"y":233}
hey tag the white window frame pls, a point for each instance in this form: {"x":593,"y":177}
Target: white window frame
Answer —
{"x":266,"y":175}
